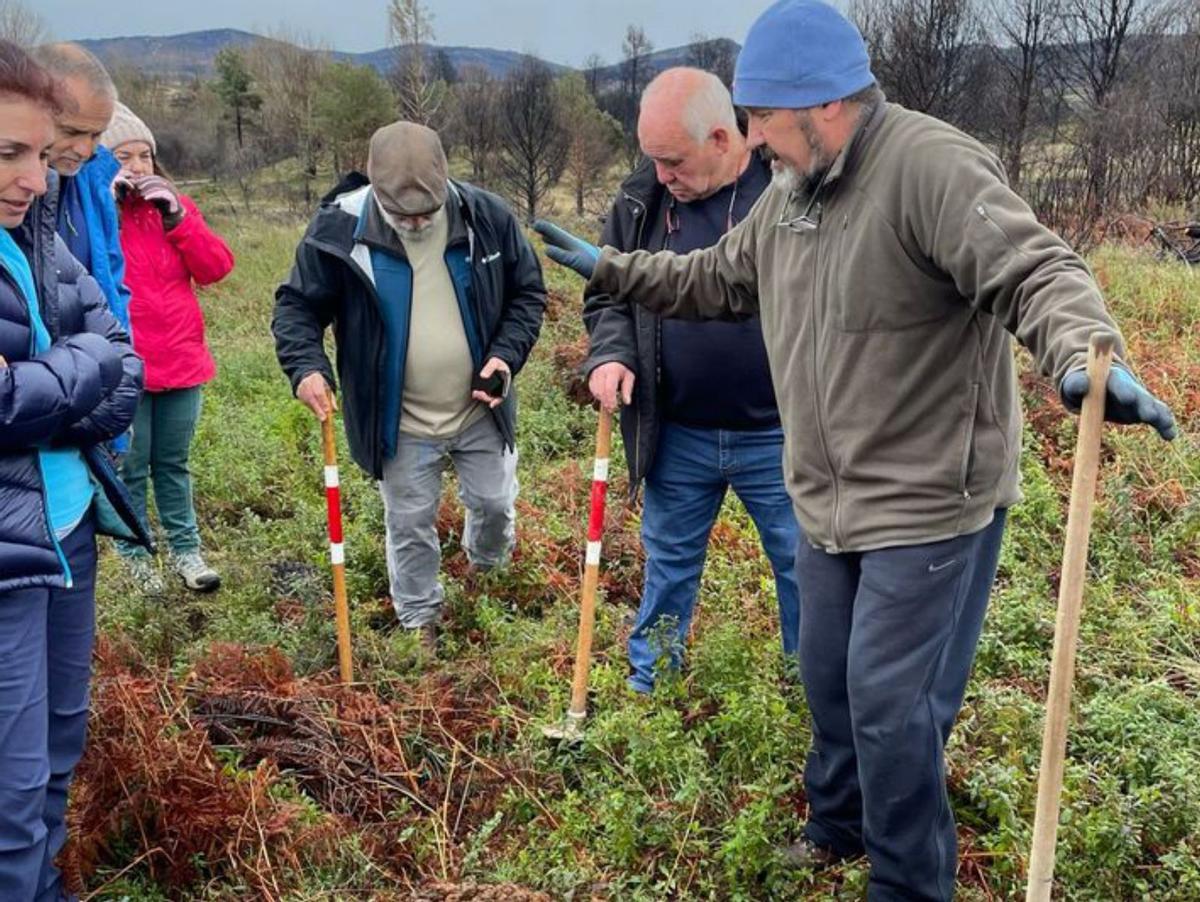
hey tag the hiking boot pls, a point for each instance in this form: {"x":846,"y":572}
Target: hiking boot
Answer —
{"x":145,"y":573}
{"x":383,"y":620}
{"x":197,"y":575}
{"x":476,"y":579}
{"x":427,"y":638}
{"x":804,"y":853}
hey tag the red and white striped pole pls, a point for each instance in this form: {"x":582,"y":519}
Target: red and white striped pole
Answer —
{"x":576,"y":714}
{"x":337,"y":550}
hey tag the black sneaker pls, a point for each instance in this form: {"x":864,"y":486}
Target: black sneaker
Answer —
{"x":804,"y":853}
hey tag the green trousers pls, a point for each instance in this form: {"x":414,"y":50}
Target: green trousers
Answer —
{"x":162,"y":440}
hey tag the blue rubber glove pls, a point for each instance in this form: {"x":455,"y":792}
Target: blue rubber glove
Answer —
{"x":566,"y":250}
{"x":1127,"y":400}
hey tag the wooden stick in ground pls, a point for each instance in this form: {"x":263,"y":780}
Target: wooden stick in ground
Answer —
{"x":337,"y":552}
{"x":591,"y":577}
{"x":1066,"y":627}
{"x":591,"y":572}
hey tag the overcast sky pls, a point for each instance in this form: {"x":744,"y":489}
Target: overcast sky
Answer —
{"x":563,"y":31}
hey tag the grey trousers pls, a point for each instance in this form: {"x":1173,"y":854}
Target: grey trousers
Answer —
{"x":412,"y":491}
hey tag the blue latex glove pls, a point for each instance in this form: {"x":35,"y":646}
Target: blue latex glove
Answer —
{"x":1127,"y":400}
{"x":565,"y":249}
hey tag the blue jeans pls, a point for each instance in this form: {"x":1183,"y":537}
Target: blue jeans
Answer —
{"x":45,"y":667}
{"x":886,"y":646}
{"x":692,"y":470}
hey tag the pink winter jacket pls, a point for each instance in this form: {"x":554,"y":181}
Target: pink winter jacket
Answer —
{"x":160,"y":266}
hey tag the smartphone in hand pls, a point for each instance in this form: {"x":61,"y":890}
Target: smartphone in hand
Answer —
{"x":495,"y":385}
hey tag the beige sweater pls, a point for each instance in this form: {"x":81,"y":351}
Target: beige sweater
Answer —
{"x":437,"y":372}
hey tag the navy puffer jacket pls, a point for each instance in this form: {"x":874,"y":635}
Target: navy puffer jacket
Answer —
{"x":82,"y":391}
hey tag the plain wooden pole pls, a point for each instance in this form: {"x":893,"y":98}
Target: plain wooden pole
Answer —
{"x":591,"y":572}
{"x":337,"y":554}
{"x":1066,"y":627}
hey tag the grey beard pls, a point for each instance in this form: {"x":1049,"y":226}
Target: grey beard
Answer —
{"x":785,"y":177}
{"x":406,"y":233}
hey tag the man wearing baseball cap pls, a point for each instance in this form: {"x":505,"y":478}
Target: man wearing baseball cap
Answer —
{"x":436,"y":299}
{"x":889,"y":263}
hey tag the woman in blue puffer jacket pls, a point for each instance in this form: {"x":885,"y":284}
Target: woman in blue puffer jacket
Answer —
{"x":69,"y":380}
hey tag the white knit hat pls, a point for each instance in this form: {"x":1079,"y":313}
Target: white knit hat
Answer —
{"x":125,"y":127}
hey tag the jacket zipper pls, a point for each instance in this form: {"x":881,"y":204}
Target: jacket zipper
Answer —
{"x":58,"y":550}
{"x":637,"y":421}
{"x":965,"y":463}
{"x":480,"y":336}
{"x":819,"y":402}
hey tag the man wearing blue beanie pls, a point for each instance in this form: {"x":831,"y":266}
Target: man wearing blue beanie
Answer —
{"x":889,"y":262}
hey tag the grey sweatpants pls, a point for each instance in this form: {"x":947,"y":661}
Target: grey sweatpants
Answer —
{"x":412,"y":490}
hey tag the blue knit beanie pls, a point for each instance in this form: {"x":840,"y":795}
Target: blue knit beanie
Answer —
{"x":800,"y":53}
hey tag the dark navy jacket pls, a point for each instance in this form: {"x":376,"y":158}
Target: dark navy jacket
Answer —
{"x":496,"y":275}
{"x":81,"y":392}
{"x":629,"y":333}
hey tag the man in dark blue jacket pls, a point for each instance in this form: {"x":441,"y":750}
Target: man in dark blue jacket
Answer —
{"x":436,"y":299}
{"x":700,"y":413}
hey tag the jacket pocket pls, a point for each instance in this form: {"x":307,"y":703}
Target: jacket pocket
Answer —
{"x":880,"y":285}
{"x":968,"y":446}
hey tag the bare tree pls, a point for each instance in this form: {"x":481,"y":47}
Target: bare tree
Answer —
{"x":715,"y":55}
{"x":20,"y":24}
{"x":1105,"y":40}
{"x":921,"y":51}
{"x":184,"y":118}
{"x":476,"y":121}
{"x":635,"y":74}
{"x":410,"y":25}
{"x":1023,"y":31}
{"x":287,"y":66}
{"x":1179,"y":108}
{"x":594,"y":137}
{"x":591,"y":72}
{"x":533,"y":141}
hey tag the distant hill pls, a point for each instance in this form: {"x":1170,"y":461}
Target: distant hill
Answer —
{"x":191,"y":55}
{"x":665,"y":59}
{"x":177,"y":55}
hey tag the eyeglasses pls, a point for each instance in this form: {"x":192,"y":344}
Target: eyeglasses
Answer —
{"x":808,"y":221}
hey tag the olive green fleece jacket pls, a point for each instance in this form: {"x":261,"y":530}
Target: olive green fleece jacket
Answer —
{"x":887,"y":328}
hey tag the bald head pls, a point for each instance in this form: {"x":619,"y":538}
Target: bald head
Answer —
{"x":687,"y":126}
{"x":695,"y":99}
{"x":67,"y":61}
{"x":90,"y":96}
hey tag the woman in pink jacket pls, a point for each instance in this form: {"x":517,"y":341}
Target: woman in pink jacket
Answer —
{"x":167,"y":247}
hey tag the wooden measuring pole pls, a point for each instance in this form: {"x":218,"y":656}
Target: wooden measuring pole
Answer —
{"x":591,"y":571}
{"x":1066,"y":627}
{"x":337,"y":551}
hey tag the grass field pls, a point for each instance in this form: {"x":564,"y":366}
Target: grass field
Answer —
{"x":225,"y":763}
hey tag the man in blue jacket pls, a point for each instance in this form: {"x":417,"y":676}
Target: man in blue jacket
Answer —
{"x":436,"y":299}
{"x":87,"y":212}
